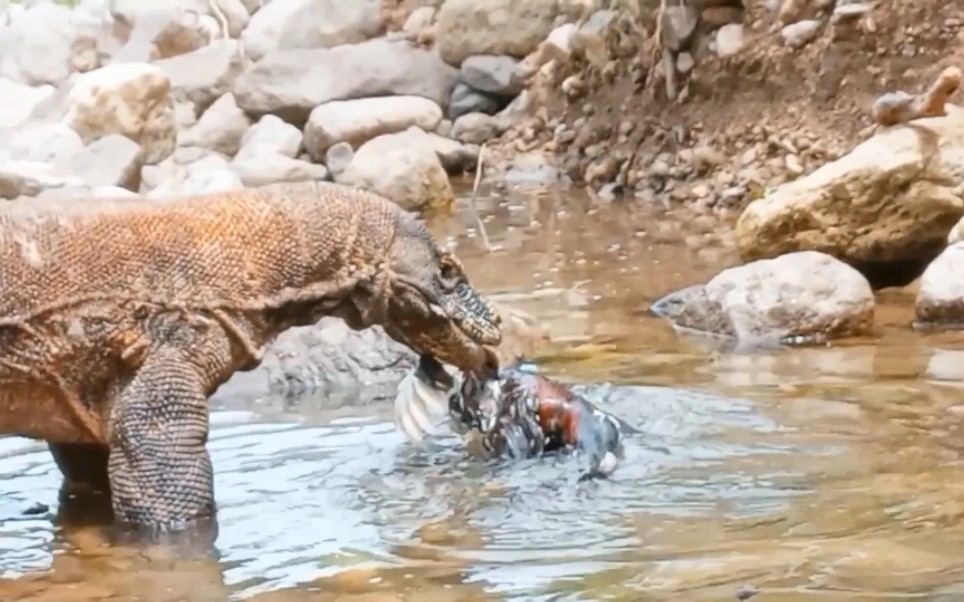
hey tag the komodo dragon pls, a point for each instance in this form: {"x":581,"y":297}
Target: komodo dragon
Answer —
{"x":119,"y":318}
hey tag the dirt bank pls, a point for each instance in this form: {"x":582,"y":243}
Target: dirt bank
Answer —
{"x":662,"y":115}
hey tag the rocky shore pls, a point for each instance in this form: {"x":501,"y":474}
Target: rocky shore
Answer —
{"x":763,"y":111}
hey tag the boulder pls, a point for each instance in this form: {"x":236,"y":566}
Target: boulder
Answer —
{"x":221,"y":128}
{"x":338,"y":158}
{"x":257,"y":169}
{"x":204,"y":75}
{"x":160,"y":29}
{"x":271,"y":135}
{"x":290,"y":83}
{"x":293,"y":24}
{"x":41,"y":142}
{"x":30,"y":178}
{"x":940,"y":297}
{"x":38,"y":46}
{"x":329,"y":359}
{"x":476,"y":128}
{"x":131,"y":99}
{"x":509,"y":27}
{"x":466,"y":99}
{"x":498,"y":75}
{"x":210,"y":174}
{"x":455,"y":157}
{"x":799,"y":297}
{"x":358,"y":121}
{"x":886,"y":208}
{"x":19,"y":101}
{"x":403,"y":167}
{"x":113,"y":160}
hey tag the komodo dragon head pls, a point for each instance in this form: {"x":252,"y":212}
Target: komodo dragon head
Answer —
{"x":433,"y":308}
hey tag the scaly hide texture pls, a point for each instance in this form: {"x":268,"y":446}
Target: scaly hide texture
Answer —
{"x":118,"y":318}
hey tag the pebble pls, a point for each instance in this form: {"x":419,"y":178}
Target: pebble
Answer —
{"x":801,"y":33}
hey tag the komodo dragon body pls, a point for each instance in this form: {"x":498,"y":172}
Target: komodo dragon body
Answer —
{"x":119,"y":318}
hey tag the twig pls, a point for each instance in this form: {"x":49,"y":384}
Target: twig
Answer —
{"x":475,"y":190}
{"x":657,"y":42}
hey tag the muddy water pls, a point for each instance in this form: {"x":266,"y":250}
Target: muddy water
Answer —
{"x":809,"y":474}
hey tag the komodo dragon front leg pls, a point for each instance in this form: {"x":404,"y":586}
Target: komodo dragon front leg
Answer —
{"x":159,"y":468}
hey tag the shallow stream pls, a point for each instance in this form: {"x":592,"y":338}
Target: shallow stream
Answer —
{"x":807,"y":474}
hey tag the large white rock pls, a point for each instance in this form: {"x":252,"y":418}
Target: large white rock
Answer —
{"x":294,"y":82}
{"x":131,"y":99}
{"x":289,"y":24}
{"x":358,"y":121}
{"x":510,"y":27}
{"x":798,"y":297}
{"x":403,"y":167}
{"x":37,"y":46}
{"x":886,"y":207}
{"x":18,"y":101}
{"x":221,"y":128}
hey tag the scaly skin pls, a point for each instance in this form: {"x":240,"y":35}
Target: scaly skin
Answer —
{"x":119,"y":318}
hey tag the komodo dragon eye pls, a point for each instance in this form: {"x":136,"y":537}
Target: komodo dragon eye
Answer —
{"x":450,"y":272}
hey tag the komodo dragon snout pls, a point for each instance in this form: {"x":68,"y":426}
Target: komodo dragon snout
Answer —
{"x":433,"y":309}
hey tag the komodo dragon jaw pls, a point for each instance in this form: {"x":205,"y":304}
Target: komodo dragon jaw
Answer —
{"x":433,"y":309}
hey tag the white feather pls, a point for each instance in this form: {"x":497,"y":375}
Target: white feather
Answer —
{"x":421,"y":408}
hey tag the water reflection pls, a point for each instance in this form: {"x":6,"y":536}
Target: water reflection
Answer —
{"x":827,"y":473}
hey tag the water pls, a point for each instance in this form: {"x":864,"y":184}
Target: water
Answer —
{"x":810,"y":474}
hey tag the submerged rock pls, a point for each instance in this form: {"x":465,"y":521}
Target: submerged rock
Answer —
{"x":798,"y":297}
{"x":358,"y":367}
{"x":886,"y":208}
{"x":940,"y":298}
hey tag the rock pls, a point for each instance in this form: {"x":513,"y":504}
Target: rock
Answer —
{"x":20,"y":100}
{"x":729,"y":39}
{"x":330,"y":360}
{"x":455,"y":157}
{"x":221,"y":128}
{"x":183,"y":32}
{"x":271,"y":134}
{"x":174,"y":167}
{"x":558,"y":46}
{"x":956,"y":234}
{"x":38,"y":46}
{"x":720,"y":16}
{"x":403,"y":167}
{"x":467,"y":27}
{"x":338,"y":158}
{"x":498,"y":75}
{"x":110,"y":161}
{"x":679,"y":25}
{"x":358,"y":121}
{"x":476,"y":128}
{"x":210,"y":174}
{"x":132,"y":99}
{"x":801,"y":33}
{"x":203,"y":76}
{"x":590,"y":38}
{"x":40,"y":142}
{"x":270,"y":168}
{"x":234,"y":12}
{"x":886,"y":207}
{"x":296,"y":24}
{"x":805,"y":295}
{"x":419,"y":19}
{"x":467,"y":100}
{"x":532,"y":169}
{"x":30,"y":178}
{"x":940,"y":298}
{"x":293,"y":82}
